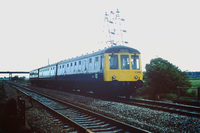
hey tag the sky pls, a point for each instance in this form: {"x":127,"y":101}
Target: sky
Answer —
{"x":33,"y":32}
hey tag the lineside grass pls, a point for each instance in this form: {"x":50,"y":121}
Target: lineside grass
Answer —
{"x":195,"y":83}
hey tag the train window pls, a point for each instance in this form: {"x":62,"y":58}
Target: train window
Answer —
{"x":74,"y":63}
{"x":79,"y":63}
{"x":113,"y":61}
{"x":67,"y":65}
{"x":90,"y":60}
{"x":125,"y":65}
{"x":135,"y":62}
{"x":71,"y":64}
{"x":96,"y":59}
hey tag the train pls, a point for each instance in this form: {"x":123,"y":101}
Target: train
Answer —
{"x":112,"y":71}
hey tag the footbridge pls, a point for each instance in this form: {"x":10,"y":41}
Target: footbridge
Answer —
{"x":13,"y":72}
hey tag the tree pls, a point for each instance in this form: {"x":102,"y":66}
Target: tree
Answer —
{"x":16,"y":78}
{"x":162,"y":77}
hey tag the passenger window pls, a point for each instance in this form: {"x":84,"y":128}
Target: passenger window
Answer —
{"x":135,"y":62}
{"x":113,"y":61}
{"x":125,"y":65}
{"x":90,"y":60}
{"x":96,"y":59}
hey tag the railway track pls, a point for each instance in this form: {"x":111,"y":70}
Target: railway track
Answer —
{"x":81,"y":119}
{"x":182,"y":109}
{"x":193,"y":111}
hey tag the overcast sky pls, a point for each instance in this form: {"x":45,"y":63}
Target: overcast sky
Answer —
{"x":33,"y":31}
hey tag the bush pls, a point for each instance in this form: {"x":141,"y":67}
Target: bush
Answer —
{"x":168,"y":96}
{"x":162,"y":77}
{"x":192,"y":92}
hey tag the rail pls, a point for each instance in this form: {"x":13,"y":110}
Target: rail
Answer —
{"x":87,"y":119}
{"x":181,"y":109}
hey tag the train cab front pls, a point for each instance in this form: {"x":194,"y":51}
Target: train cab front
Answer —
{"x":123,"y":71}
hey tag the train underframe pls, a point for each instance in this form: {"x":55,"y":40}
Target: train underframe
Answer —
{"x":109,"y":88}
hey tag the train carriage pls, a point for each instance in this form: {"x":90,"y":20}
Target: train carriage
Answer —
{"x":112,"y":71}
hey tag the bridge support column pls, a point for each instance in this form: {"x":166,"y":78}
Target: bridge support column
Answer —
{"x":10,"y":76}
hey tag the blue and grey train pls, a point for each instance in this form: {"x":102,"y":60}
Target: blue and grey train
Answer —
{"x":112,"y":71}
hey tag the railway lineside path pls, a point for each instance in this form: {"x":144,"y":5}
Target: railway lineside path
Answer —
{"x":81,"y":119}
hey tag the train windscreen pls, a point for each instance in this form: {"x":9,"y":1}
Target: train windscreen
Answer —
{"x":125,"y":65}
{"x":135,"y":62}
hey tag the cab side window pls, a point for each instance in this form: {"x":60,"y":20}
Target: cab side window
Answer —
{"x":113,"y":62}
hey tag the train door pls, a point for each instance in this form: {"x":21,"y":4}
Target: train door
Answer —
{"x":96,"y":64}
{"x":71,"y":67}
{"x":84,"y":67}
{"x":101,"y":63}
{"x":79,"y":66}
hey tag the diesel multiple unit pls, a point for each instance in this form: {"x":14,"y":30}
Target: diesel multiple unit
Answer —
{"x":112,"y":71}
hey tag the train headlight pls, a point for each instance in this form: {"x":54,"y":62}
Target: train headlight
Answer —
{"x":136,"y":77}
{"x":113,"y":77}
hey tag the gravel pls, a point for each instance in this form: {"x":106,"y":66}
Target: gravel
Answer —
{"x":145,"y":118}
{"x":38,"y":119}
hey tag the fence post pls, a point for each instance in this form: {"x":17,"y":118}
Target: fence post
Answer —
{"x":199,"y":94}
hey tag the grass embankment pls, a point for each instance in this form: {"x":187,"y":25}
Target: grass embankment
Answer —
{"x":195,"y":84}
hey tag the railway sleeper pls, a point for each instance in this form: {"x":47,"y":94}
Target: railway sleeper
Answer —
{"x":104,"y":129}
{"x":84,"y":115}
{"x":70,"y":114}
{"x":93,"y":124}
{"x":82,"y":118}
{"x":86,"y":122}
{"x":97,"y":126}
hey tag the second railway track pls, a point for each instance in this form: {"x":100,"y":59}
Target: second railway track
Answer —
{"x":84,"y":120}
{"x":193,"y":111}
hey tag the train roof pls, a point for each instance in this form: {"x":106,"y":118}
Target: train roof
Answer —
{"x":118,"y":49}
{"x":112,"y":49}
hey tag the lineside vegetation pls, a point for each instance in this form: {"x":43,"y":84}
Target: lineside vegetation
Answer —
{"x":195,"y":83}
{"x":161,"y":80}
